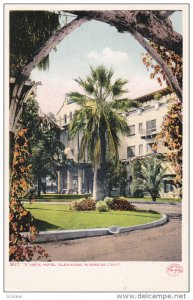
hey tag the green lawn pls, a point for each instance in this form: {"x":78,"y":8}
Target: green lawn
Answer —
{"x":58,"y":217}
{"x":148,"y":199}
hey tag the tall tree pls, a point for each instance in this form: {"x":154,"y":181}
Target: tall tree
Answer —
{"x":100,"y":122}
{"x":148,"y":177}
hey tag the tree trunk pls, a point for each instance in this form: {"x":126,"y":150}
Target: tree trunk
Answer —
{"x":39,"y":186}
{"x":99,"y":184}
{"x":100,"y":170}
{"x":11,"y":147}
{"x":123,"y":190}
{"x":153,"y":197}
{"x":43,"y":187}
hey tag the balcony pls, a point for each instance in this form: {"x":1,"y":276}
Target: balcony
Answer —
{"x":148,"y":133}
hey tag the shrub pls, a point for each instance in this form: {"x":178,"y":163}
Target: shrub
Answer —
{"x":122,"y":198}
{"x":138,"y":194}
{"x":122,"y":204}
{"x":83,"y":204}
{"x":102,"y":206}
{"x":108,"y":201}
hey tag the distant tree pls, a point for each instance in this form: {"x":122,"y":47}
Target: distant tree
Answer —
{"x":148,"y":176}
{"x":116,"y":176}
{"x":46,"y":150}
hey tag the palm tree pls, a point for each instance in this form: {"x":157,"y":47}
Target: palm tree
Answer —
{"x":100,"y":121}
{"x":148,"y":177}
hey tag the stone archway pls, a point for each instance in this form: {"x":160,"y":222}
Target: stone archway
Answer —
{"x":130,"y":21}
{"x":152,"y":25}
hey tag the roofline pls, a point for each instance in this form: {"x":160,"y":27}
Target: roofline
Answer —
{"x":147,"y":97}
{"x":60,"y":108}
{"x":144,"y":98}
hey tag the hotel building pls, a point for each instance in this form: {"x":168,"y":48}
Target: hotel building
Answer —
{"x":144,"y":124}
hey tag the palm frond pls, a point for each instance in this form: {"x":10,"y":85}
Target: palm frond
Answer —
{"x":124,"y":104}
{"x":96,"y":112}
{"x":150,"y":176}
{"x":77,"y":98}
{"x":118,"y":87}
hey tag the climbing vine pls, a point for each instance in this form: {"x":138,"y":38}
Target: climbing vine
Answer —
{"x":171,"y":134}
{"x":22,"y":230}
{"x":173,"y":60}
{"x":171,"y":129}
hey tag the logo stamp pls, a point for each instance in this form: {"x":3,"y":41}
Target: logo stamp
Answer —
{"x":174,"y":269}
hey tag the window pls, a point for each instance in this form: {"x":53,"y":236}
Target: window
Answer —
{"x":131,"y":151}
{"x":70,"y":116}
{"x":65,"y":119}
{"x":131,"y":130}
{"x":149,"y":148}
{"x":140,"y":149}
{"x":140,"y":127}
{"x":168,"y":187}
{"x":151,"y":126}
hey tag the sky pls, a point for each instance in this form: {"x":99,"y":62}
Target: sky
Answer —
{"x":92,"y":44}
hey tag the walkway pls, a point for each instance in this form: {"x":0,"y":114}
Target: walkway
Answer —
{"x":157,"y":244}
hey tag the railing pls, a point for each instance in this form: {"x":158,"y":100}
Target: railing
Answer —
{"x":148,"y":132}
{"x":64,"y":123}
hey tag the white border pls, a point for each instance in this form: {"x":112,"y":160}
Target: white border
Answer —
{"x":124,"y":270}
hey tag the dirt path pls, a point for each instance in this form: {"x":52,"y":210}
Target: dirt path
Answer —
{"x":157,"y":244}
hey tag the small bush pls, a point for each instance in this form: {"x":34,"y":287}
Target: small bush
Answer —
{"x":122,"y":204}
{"x":83,"y":204}
{"x":122,"y":198}
{"x":102,"y":206}
{"x":108,"y":201}
{"x":138,"y":194}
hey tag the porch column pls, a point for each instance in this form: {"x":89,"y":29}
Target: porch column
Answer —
{"x":69,"y":181}
{"x":59,"y":182}
{"x":79,"y":181}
